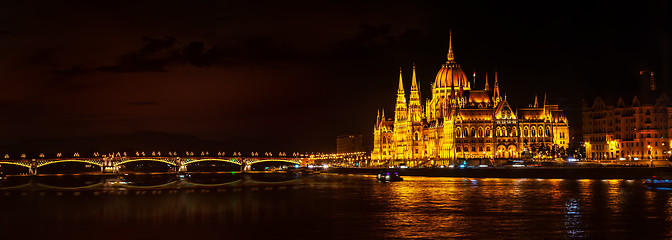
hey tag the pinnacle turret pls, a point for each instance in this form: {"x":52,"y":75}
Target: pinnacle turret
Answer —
{"x":451,"y":56}
{"x":400,"y":110}
{"x":401,"y":84}
{"x":414,"y":84}
{"x":414,"y":106}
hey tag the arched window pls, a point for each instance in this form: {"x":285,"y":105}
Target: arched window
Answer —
{"x":548,"y":131}
{"x":499,"y":131}
{"x":514,"y":132}
{"x":505,"y":132}
{"x":466,"y":132}
{"x":416,"y":137}
{"x":526,"y":132}
{"x":458,"y":132}
{"x":473,"y":131}
{"x":480,"y":132}
{"x":487,"y":132}
{"x":534,"y":132}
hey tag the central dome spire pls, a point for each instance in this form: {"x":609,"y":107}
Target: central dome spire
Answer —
{"x":451,"y":56}
{"x":451,"y":74}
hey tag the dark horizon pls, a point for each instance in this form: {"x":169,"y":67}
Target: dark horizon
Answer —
{"x":295,"y":76}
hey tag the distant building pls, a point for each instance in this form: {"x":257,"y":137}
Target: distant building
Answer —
{"x":348,"y":143}
{"x":462,"y":122}
{"x":648,"y":79}
{"x":637,"y":129}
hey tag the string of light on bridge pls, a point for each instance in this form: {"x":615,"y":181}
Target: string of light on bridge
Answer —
{"x":166,"y":154}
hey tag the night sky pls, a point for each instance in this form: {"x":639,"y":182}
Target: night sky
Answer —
{"x":299,"y":74}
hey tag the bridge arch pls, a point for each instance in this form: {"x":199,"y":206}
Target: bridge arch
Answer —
{"x":273,"y":160}
{"x":45,"y":163}
{"x":190,"y":161}
{"x":26,"y":165}
{"x":124,"y":161}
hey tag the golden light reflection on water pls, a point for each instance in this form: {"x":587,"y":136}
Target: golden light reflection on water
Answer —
{"x":359,"y":207}
{"x":523,"y":208}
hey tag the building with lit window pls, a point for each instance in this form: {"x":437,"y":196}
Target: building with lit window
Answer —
{"x":462,"y":122}
{"x":637,"y":129}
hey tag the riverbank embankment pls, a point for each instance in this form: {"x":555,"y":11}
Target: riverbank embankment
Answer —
{"x":525,"y":172}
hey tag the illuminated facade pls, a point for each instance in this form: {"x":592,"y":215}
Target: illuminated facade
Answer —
{"x":461,"y":122}
{"x":638,"y":130}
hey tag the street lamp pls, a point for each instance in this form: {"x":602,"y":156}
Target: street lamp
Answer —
{"x":650,"y":157}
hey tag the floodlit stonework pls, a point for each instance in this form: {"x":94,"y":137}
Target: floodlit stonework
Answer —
{"x":462,"y":122}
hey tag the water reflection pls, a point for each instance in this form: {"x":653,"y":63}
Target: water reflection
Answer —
{"x":144,"y":181}
{"x":345,"y":207}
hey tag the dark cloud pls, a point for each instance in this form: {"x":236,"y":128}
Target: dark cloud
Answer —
{"x":196,"y":55}
{"x":371,"y":40}
{"x":158,"y":54}
{"x":370,"y":33}
{"x":264,"y":48}
{"x":152,"y":57}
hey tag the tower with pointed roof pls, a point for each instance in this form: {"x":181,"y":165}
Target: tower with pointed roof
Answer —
{"x":414,"y":105}
{"x":401,"y":123}
{"x":459,"y":122}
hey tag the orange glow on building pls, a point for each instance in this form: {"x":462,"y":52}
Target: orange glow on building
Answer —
{"x":461,"y":122}
{"x":639,"y":130}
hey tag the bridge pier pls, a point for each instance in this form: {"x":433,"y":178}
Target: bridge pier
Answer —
{"x":32,"y":170}
{"x":108,"y":166}
{"x":180,"y":167}
{"x":244,"y":167}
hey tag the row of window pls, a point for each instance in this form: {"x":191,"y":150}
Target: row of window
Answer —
{"x":503,"y":131}
{"x":473,"y":149}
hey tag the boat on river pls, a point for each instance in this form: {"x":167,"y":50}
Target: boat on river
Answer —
{"x":389,"y":176}
{"x":659,"y":182}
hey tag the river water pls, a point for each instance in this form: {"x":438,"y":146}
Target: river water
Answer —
{"x":340,"y":207}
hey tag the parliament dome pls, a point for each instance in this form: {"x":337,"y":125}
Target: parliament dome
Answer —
{"x":451,"y":75}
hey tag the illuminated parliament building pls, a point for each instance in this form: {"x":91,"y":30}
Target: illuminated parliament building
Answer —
{"x":462,"y":122}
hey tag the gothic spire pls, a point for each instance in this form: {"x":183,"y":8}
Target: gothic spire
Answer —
{"x":451,"y":56}
{"x":414,"y":106}
{"x":401,"y":109}
{"x":414,"y":84}
{"x":401,"y":84}
{"x":486,"y":82}
{"x":535,"y":101}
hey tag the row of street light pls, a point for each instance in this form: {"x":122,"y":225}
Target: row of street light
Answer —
{"x":171,"y":154}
